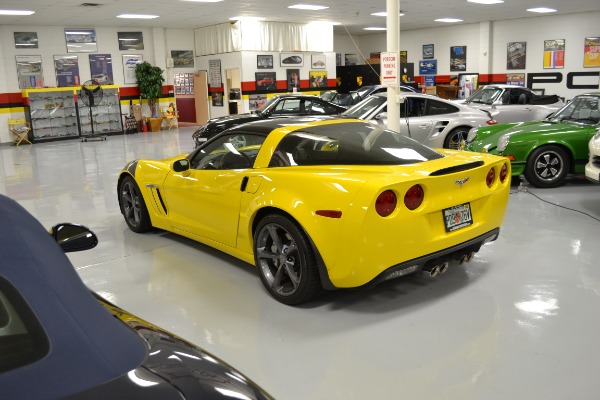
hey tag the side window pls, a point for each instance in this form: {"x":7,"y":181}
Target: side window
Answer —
{"x":288,"y":107}
{"x":22,"y":339}
{"x":438,"y":107}
{"x":416,"y":107}
{"x":235,"y":151}
{"x":322,"y":108}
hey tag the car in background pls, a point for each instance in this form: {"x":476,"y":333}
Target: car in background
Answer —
{"x":280,"y":106}
{"x":544,"y":151}
{"x":356,"y":96}
{"x":322,"y":204}
{"x":592,"y":168}
{"x":58,"y":340}
{"x":428,"y":119}
{"x":508,"y":103}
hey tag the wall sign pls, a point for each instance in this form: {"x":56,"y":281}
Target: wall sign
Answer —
{"x":29,"y":71}
{"x":67,"y":70}
{"x":129,"y":63}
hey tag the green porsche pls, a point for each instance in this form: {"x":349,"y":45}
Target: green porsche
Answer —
{"x":544,"y":151}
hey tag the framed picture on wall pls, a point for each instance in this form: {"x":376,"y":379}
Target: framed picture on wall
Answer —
{"x":26,"y":40}
{"x":67,"y":70}
{"x":264,"y":61}
{"x":29,"y":71}
{"x":265,"y":80}
{"x":81,"y":40}
{"x":183,"y":58}
{"x":131,"y":40}
{"x":317,"y":79}
{"x":516,"y":53}
{"x":318,"y":61}
{"x":554,"y":53}
{"x":129,"y":63}
{"x":591,"y":52}
{"x":458,"y":58}
{"x":101,"y":68}
{"x":428,"y":52}
{"x":293,"y":79}
{"x":292,"y":59}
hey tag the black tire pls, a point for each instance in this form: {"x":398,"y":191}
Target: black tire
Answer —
{"x":286,"y":263}
{"x":547,"y":166}
{"x":456,"y":137}
{"x":133,"y":207}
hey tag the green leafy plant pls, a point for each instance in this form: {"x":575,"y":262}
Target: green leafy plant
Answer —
{"x":150,"y":81}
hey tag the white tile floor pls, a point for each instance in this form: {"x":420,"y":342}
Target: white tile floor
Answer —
{"x":520,"y":321}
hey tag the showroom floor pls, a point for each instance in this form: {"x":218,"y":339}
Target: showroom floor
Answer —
{"x":522,"y":320}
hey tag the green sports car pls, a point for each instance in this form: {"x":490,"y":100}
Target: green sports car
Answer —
{"x":544,"y":151}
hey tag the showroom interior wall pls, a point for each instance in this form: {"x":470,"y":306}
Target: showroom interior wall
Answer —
{"x":492,"y":38}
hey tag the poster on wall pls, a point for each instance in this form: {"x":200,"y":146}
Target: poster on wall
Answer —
{"x":257,"y":101}
{"x":101,"y":68}
{"x":214,"y":74}
{"x":515,"y":79}
{"x":293,"y":79}
{"x":26,"y":40}
{"x":130,"y":40}
{"x":428,"y":67}
{"x":458,"y":58}
{"x":81,"y":40}
{"x":265,"y":80}
{"x":591,"y":52}
{"x":264,"y":61}
{"x":516,"y":53}
{"x":317,"y":79}
{"x":554,"y":53}
{"x":29,"y":71}
{"x":217,"y":99}
{"x":292,"y":59}
{"x":129,"y":63}
{"x":428,"y":51}
{"x":403,"y":57}
{"x":183,"y":58}
{"x":318,"y":61}
{"x":67,"y":70}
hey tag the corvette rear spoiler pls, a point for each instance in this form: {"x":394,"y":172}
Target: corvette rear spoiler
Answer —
{"x":457,"y":168}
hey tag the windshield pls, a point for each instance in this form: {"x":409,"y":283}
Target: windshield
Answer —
{"x":582,"y":109}
{"x":362,"y":92}
{"x":365,"y":108}
{"x":486,"y":95}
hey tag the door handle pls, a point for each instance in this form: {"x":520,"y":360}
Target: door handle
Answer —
{"x":424,"y":126}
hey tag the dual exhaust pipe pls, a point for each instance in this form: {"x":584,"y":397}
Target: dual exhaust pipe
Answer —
{"x":434,"y":268}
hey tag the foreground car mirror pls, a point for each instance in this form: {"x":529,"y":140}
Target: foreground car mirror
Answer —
{"x":381,"y":116}
{"x":181,"y":165}
{"x":72,"y":237}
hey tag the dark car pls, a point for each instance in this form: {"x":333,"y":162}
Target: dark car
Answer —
{"x":285,"y":105}
{"x":356,"y":96}
{"x":58,"y":340}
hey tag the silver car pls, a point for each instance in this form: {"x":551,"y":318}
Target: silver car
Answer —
{"x":430,"y":120}
{"x":508,"y":103}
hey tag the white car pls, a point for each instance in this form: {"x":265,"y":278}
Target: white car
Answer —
{"x":508,"y":103}
{"x":592,"y":168}
{"x":430,"y":120}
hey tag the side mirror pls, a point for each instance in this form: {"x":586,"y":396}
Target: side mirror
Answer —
{"x":181,"y":165}
{"x":381,"y":116}
{"x":72,"y":237}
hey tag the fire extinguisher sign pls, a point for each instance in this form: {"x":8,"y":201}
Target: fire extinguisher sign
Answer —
{"x":389,"y":68}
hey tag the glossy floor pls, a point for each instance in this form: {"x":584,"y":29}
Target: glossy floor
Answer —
{"x":520,"y":321}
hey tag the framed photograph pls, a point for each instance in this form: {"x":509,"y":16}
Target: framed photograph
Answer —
{"x":29,"y":71}
{"x":318,"y":61}
{"x":515,"y":79}
{"x":129,"y":63}
{"x":292,"y":59}
{"x":266,"y":80}
{"x":217,"y":99}
{"x":81,"y":40}
{"x":516,"y":53}
{"x":101,"y":68}
{"x":458,"y":58}
{"x":554,"y":53}
{"x":26,"y":40}
{"x":428,"y":67}
{"x":317,"y":79}
{"x":183,"y":58}
{"x":257,"y":101}
{"x":428,"y":53}
{"x":403,"y":57}
{"x":591,"y":52}
{"x":264,"y":61}
{"x":67,"y":70}
{"x":293,"y":79}
{"x":130,"y":40}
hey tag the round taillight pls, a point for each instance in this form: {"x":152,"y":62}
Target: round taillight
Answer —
{"x":489,"y":179}
{"x":414,"y":197}
{"x":503,"y":173}
{"x":386,"y":203}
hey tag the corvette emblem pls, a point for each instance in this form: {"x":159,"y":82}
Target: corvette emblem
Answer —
{"x":461,"y":182}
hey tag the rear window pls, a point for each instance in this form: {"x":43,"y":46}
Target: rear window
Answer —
{"x":349,"y":144}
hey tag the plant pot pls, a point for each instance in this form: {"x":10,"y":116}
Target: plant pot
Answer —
{"x":155,"y":124}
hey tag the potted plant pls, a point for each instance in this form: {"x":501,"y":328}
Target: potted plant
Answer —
{"x":150,"y":80}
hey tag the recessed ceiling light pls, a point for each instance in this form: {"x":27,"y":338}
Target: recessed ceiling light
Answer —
{"x":486,"y":1}
{"x":384,"y":14}
{"x":450,"y":20}
{"x":16,"y":12}
{"x":541,"y":10}
{"x":375,"y":28}
{"x":137,"y":16}
{"x":308,"y":7}
{"x":247,"y":18}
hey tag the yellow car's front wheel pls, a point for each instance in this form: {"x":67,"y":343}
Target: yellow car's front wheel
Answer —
{"x":133,"y":207}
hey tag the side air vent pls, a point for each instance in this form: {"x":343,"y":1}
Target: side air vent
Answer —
{"x":457,"y":168}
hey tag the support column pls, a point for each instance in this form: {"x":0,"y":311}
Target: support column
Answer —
{"x":393,"y":44}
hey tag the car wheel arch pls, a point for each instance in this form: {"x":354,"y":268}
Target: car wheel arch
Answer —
{"x":466,"y":128}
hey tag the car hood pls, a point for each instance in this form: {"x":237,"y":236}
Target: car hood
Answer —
{"x":236,"y":118}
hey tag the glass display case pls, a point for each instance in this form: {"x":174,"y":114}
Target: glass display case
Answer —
{"x":106,"y":113}
{"x":52,"y":114}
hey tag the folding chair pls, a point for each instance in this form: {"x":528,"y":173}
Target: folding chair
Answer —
{"x":20,"y":128}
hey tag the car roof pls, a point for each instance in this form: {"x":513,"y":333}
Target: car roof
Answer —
{"x":88,"y":346}
{"x":266,"y":126}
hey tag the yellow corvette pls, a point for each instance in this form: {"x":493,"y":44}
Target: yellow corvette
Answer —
{"x":322,"y":204}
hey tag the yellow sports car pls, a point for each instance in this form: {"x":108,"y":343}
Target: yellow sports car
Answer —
{"x":322,"y":204}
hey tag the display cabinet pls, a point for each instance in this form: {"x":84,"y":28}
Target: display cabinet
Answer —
{"x":106,"y":113}
{"x":52,"y":114}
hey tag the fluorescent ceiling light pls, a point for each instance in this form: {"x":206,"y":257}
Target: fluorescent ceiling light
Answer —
{"x":308,"y":7}
{"x":137,"y":16}
{"x":450,"y":20}
{"x":375,"y":28}
{"x":241,"y":17}
{"x":541,"y":10}
{"x":16,"y":12}
{"x":204,"y":1}
{"x":486,"y":1}
{"x":384,"y":14}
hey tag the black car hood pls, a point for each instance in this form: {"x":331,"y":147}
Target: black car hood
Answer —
{"x":235,"y":119}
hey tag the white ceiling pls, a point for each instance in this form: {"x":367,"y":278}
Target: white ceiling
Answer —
{"x":352,"y":14}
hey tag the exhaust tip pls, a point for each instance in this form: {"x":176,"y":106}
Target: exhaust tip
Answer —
{"x":444,"y":267}
{"x":434,"y":271}
{"x":471,"y":256}
{"x":463,"y":259}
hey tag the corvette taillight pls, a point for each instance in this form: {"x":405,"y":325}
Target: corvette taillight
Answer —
{"x":489,"y":179}
{"x":386,"y":203}
{"x":414,"y":197}
{"x":503,"y":173}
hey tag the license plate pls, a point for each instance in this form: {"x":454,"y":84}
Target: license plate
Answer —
{"x":458,"y":217}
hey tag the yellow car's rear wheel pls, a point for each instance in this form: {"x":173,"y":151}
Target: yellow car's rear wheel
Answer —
{"x":286,"y":263}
